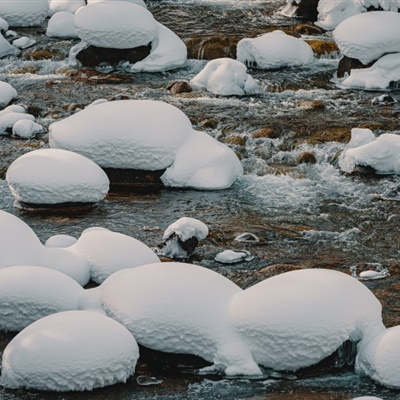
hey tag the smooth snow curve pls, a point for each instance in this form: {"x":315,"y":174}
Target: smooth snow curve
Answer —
{"x":24,"y":13}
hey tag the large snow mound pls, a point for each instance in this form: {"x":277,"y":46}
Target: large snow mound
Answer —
{"x":203,"y":163}
{"x":368,"y":36}
{"x":116,"y":24}
{"x":69,"y":351}
{"x":287,"y":319}
{"x":226,"y":77}
{"x":7,"y":92}
{"x":137,"y":134}
{"x":61,"y":24}
{"x":274,"y":50}
{"x":24,"y":13}
{"x":28,"y":293}
{"x":70,"y":6}
{"x":19,"y":245}
{"x":53,"y":176}
{"x":179,"y":308}
{"x":107,"y":252}
{"x":332,"y":12}
{"x":379,"y":357}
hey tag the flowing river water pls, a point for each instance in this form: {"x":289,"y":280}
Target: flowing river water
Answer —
{"x":305,"y":214}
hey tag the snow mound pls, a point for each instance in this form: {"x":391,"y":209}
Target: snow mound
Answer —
{"x":203,"y":163}
{"x":274,"y":50}
{"x":54,"y":176}
{"x":61,"y":24}
{"x":226,"y":77}
{"x":7,"y":92}
{"x":382,"y":154}
{"x":116,"y":24}
{"x":69,"y":351}
{"x":107,"y":252}
{"x":28,"y":293}
{"x":332,"y":12}
{"x":24,"y":13}
{"x":379,"y":358}
{"x":9,"y":119}
{"x":26,"y":129}
{"x":368,"y":36}
{"x":137,"y":134}
{"x":287,"y":319}
{"x":6,"y":49}
{"x":138,"y":2}
{"x":186,"y":228}
{"x":71,"y":6}
{"x":19,"y":245}
{"x":3,"y":25}
{"x":179,"y":308}
{"x":60,"y":241}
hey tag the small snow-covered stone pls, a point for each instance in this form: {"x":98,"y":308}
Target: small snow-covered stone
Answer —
{"x":116,"y":24}
{"x":26,"y":129}
{"x":60,"y":241}
{"x":17,"y":108}
{"x":274,"y":50}
{"x":7,"y":93}
{"x":232,"y":257}
{"x":70,"y":6}
{"x":24,"y":42}
{"x":24,"y":13}
{"x":54,"y":176}
{"x":69,"y":351}
{"x":9,"y":119}
{"x":186,"y":228}
{"x":28,"y":293}
{"x":247,"y":237}
{"x":61,"y":24}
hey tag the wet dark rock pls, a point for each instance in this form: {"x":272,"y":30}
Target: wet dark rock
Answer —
{"x":346,"y":64}
{"x":236,"y":140}
{"x":93,"y":56}
{"x":265,"y":133}
{"x":306,"y":9}
{"x":177,"y":87}
{"x":307,"y":157}
{"x":211,"y":48}
{"x":42,"y":54}
{"x":70,"y":208}
{"x":175,"y":248}
{"x":308,"y":29}
{"x":330,"y":134}
{"x":208,"y":124}
{"x":312,"y":105}
{"x":134,"y":180}
{"x":74,"y":107}
{"x":323,"y":47}
{"x":120,"y":97}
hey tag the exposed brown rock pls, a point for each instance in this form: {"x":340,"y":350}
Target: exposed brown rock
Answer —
{"x":307,"y":157}
{"x":237,"y":140}
{"x":308,"y":29}
{"x":312,"y":105}
{"x":332,"y":134}
{"x":208,"y":123}
{"x":346,"y":64}
{"x":322,"y":47}
{"x":265,"y":133}
{"x":36,"y":55}
{"x":211,"y":48}
{"x":177,"y":87}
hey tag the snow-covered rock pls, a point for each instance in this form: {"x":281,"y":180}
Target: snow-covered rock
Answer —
{"x":107,"y":252}
{"x":60,"y":241}
{"x":287,"y":319}
{"x":232,"y":257}
{"x":16,"y":108}
{"x":179,"y":308}
{"x":19,"y":245}
{"x":70,"y":6}
{"x":24,"y":13}
{"x":3,"y":25}
{"x":382,"y":154}
{"x":368,"y":36}
{"x":26,"y":129}
{"x":226,"y":77}
{"x":69,"y":351}
{"x":274,"y":50}
{"x":24,"y":42}
{"x":379,"y":357}
{"x":54,"y":176}
{"x":7,"y":93}
{"x":6,"y":49}
{"x":138,"y":2}
{"x":378,"y":76}
{"x":61,"y":24}
{"x":28,"y":293}
{"x":9,"y":119}
{"x":203,"y":163}
{"x":136,"y":134}
{"x":116,"y":24}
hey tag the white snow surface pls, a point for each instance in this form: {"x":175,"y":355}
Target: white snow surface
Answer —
{"x":60,"y":241}
{"x":24,"y":42}
{"x":71,"y":6}
{"x":287,"y":319}
{"x":17,"y":108}
{"x":382,"y":154}
{"x":8,"y":119}
{"x":7,"y":49}
{"x":116,"y":24}
{"x":226,"y":77}
{"x":26,"y":129}
{"x":274,"y":50}
{"x":186,"y":228}
{"x":54,"y":176}
{"x":137,"y":134}
{"x":369,"y":36}
{"x":107,"y":252}
{"x":69,"y":351}
{"x":61,"y":25}
{"x":19,"y":245}
{"x":28,"y":293}
{"x":24,"y":13}
{"x":168,"y":52}
{"x":3,"y":25}
{"x":179,"y":308}
{"x":138,"y":2}
{"x":378,"y":76}
{"x":7,"y":92}
{"x":379,"y":357}
{"x":203,"y":163}
{"x":232,"y":257}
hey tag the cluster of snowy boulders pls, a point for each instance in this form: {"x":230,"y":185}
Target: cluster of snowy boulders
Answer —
{"x":80,"y":339}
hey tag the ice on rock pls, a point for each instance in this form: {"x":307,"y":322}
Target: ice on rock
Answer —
{"x":69,"y":351}
{"x":107,"y":252}
{"x":61,"y":24}
{"x":368,"y":36}
{"x":19,"y":245}
{"x":226,"y":77}
{"x":28,"y":293}
{"x":203,"y":163}
{"x":287,"y":318}
{"x":135,"y":134}
{"x":26,"y":129}
{"x":115,"y":24}
{"x":379,"y":357}
{"x":24,"y":13}
{"x":179,"y":308}
{"x":71,"y":6}
{"x":56,"y":176}
{"x":7,"y":92}
{"x":274,"y":50}
{"x":60,"y":241}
